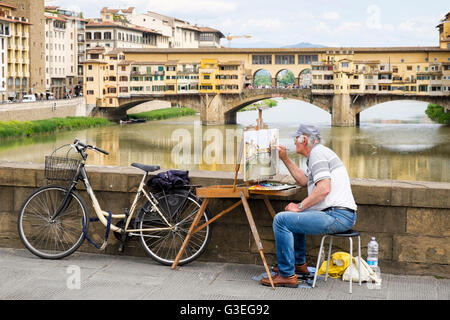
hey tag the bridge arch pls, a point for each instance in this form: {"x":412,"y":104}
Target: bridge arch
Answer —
{"x":262,"y":78}
{"x":305,"y":78}
{"x":285,"y":78}
{"x":367,"y":102}
{"x":324,"y":103}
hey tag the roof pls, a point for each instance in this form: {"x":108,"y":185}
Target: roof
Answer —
{"x":3,"y":4}
{"x":58,"y":17}
{"x":74,"y":18}
{"x":15,"y":20}
{"x":125,"y":62}
{"x":107,"y":10}
{"x":98,"y":49}
{"x":208,"y":29}
{"x":51,"y":8}
{"x":96,"y":61}
{"x":114,"y":51}
{"x":109,"y":24}
{"x":129,"y":10}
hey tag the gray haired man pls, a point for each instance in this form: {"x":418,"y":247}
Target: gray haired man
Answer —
{"x":329,"y":207}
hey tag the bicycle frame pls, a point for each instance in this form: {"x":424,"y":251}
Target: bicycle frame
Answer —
{"x":103,"y":215}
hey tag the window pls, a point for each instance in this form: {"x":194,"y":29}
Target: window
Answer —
{"x":307,"y":59}
{"x":284,"y":59}
{"x":344,"y":64}
{"x":262,"y":59}
{"x":207,"y":37}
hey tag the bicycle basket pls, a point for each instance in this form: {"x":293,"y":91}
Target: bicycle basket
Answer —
{"x":62,"y":169}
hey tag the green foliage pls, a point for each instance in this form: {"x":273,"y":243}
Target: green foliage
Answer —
{"x":268,"y":103}
{"x":162,"y":114}
{"x":286,"y":78}
{"x":263,"y":80}
{"x":30,"y":128}
{"x":438,"y":114}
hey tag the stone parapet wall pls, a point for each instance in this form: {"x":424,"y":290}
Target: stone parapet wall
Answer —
{"x":411,"y":220}
{"x":41,"y":110}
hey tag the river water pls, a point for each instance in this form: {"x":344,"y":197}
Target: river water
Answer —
{"x":395,"y":141}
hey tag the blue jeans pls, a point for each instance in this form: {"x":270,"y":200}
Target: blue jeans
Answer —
{"x":290,"y":230}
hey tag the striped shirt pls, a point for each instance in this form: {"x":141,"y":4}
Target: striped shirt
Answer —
{"x":323,"y":163}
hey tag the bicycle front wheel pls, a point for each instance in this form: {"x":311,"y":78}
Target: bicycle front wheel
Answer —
{"x":163,"y":244}
{"x":57,"y":238}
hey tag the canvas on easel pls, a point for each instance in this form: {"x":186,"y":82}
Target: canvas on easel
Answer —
{"x":260,"y":154}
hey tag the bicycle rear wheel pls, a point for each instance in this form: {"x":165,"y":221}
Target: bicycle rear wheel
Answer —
{"x":179,"y":208}
{"x":47,"y":238}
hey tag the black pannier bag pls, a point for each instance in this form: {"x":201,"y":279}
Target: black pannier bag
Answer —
{"x":169,"y":180}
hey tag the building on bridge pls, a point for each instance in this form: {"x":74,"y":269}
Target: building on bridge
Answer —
{"x":344,"y":81}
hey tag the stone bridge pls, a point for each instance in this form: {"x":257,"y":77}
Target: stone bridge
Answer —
{"x":216,"y":109}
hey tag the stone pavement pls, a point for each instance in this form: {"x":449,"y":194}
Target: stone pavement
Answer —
{"x":96,"y":276}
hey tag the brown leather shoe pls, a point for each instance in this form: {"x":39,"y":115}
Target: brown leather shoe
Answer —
{"x":279,"y":281}
{"x":300,"y":270}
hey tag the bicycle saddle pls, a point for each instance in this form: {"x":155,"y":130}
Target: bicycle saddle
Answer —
{"x":145,"y":167}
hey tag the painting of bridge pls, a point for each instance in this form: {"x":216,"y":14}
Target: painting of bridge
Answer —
{"x":260,"y":154}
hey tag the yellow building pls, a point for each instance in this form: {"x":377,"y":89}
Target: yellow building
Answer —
{"x":15,"y":54}
{"x":96,"y":66}
{"x":207,"y":76}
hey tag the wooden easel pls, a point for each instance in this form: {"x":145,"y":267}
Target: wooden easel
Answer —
{"x":237,"y":192}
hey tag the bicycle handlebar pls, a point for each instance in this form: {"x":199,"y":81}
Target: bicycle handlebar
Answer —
{"x":87,"y":146}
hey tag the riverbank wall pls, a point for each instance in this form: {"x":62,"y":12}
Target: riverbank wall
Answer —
{"x":46,"y":109}
{"x":411,"y":220}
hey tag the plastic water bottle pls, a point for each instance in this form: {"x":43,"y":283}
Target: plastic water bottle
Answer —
{"x":372,"y":254}
{"x":372,"y":261}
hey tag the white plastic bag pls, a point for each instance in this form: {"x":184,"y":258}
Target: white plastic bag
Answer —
{"x":367,"y":274}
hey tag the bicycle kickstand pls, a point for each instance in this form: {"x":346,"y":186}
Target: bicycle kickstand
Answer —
{"x":124,"y":236}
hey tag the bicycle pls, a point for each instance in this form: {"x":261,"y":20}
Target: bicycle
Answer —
{"x":53,"y":221}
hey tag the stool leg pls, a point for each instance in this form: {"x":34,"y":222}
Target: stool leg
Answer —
{"x":359,"y":259}
{"x":318,"y":261}
{"x":329,"y":256}
{"x":351,"y":262}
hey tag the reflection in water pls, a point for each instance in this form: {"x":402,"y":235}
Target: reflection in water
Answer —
{"x":413,"y":149}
